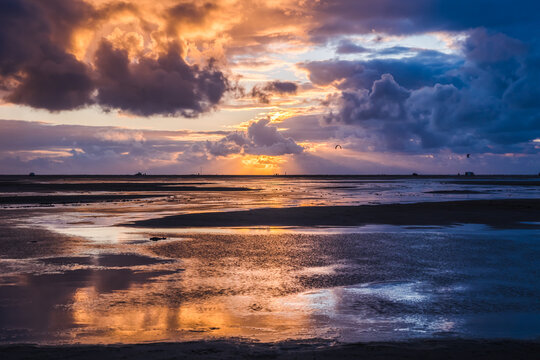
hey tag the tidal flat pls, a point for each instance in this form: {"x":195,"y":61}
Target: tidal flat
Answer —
{"x":282,"y":267}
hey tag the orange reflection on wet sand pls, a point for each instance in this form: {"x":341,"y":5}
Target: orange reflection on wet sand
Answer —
{"x":220,"y":317}
{"x":224,"y":289}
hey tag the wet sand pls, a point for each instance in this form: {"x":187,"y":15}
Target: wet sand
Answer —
{"x":31,"y":186}
{"x":90,"y":290}
{"x":496,"y":213}
{"x":484,"y":182}
{"x":420,"y":349}
{"x":22,"y":243}
{"x":70,"y":199}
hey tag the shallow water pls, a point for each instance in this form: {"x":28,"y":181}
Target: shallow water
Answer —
{"x":94,"y":282}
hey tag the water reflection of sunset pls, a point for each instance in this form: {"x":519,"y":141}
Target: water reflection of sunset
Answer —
{"x":110,"y":319}
{"x":207,"y":319}
{"x":243,"y":287}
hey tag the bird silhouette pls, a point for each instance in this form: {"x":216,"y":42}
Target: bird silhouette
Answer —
{"x":468,"y":156}
{"x":338,"y":146}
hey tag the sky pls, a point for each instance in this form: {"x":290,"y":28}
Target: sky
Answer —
{"x":266,"y":87}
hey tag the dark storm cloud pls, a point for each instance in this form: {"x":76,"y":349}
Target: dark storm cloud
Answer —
{"x":37,"y":70}
{"x":263,"y":92}
{"x":487,"y":103}
{"x":59,"y":82}
{"x":385,"y":100}
{"x":261,"y":138}
{"x":419,"y":16}
{"x":31,"y":31}
{"x":167,"y":85}
{"x":326,"y":72}
{"x":426,"y":67}
{"x":483,"y":47}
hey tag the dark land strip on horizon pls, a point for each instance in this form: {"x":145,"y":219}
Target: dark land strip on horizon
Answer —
{"x":208,"y":179}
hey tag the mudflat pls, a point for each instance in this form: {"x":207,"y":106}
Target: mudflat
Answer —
{"x":507,"y":213}
{"x":71,"y":199}
{"x":31,"y":186}
{"x":419,"y":349}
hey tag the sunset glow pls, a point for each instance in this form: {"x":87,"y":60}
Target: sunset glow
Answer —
{"x":383,"y":79}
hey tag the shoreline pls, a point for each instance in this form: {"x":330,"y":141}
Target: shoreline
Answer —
{"x":506,"y":213}
{"x":223,"y":349}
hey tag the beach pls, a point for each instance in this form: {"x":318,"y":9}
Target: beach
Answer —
{"x":272,"y":267}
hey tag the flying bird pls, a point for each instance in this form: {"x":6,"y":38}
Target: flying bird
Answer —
{"x":468,"y":156}
{"x":338,"y":146}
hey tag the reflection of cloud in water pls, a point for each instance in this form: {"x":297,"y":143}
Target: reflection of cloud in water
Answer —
{"x":106,"y":260}
{"x":41,"y":303}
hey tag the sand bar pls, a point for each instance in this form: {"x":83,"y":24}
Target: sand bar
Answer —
{"x":507,"y":213}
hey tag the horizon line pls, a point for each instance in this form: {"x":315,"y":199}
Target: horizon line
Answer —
{"x":267,"y":175}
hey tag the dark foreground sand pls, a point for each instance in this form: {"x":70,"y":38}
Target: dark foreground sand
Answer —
{"x":420,"y":349}
{"x":497,"y":213}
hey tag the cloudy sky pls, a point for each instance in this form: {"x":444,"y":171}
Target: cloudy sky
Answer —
{"x":264,"y":87}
